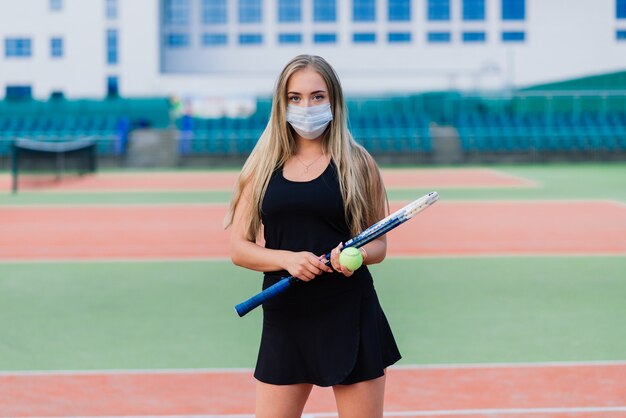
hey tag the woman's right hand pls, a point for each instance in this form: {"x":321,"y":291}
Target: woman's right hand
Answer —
{"x":305,"y":265}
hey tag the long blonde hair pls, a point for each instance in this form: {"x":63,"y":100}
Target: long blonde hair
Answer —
{"x":362,"y":190}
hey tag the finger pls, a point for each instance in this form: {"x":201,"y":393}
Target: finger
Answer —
{"x":323,"y":260}
{"x":346,"y":272}
{"x":323,"y":268}
{"x":315,"y":266}
{"x":335,"y":263}
{"x":337,"y":254}
{"x":314,"y":270}
{"x":322,"y":265}
{"x":301,"y":277}
{"x":334,"y":258}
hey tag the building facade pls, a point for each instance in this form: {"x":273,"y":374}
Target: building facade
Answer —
{"x":231,"y":48}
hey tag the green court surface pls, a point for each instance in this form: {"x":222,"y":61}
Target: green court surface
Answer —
{"x":559,"y":181}
{"x":162,"y":315}
{"x":113,"y":198}
{"x":155,"y":315}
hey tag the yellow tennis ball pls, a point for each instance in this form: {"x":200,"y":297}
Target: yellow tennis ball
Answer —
{"x":351,"y":258}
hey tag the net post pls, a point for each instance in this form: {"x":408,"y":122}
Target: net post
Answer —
{"x":14,"y":167}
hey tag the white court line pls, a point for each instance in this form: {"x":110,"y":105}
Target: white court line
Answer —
{"x":495,"y":412}
{"x":617,"y":202}
{"x":245,"y":370}
{"x":443,"y":412}
{"x":590,"y":363}
{"x":100,"y":260}
{"x":543,"y":254}
{"x":105,"y":205}
{"x":524,"y":201}
{"x":202,"y":259}
{"x":529,"y":182}
{"x":112,"y":205}
{"x":61,"y":191}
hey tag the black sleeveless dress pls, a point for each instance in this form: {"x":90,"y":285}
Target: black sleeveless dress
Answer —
{"x":332,"y":329}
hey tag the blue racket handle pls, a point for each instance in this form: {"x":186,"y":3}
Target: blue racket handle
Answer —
{"x":256,"y":300}
{"x":279,"y":287}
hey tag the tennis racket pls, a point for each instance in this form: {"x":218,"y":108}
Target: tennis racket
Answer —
{"x":378,"y":229}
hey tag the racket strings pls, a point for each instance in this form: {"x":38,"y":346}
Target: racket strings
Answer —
{"x":420,"y":204}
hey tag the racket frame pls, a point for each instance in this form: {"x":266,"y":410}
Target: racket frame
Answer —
{"x":377,"y":230}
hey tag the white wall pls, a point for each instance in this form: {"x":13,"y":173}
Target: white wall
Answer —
{"x":138,"y":67}
{"x":583,"y":43}
{"x":81,"y":71}
{"x":564,"y":39}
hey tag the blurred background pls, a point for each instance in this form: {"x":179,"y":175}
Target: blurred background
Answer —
{"x":188,"y":82}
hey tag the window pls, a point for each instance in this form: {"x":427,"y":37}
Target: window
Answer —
{"x":214,"y":11}
{"x":513,"y":36}
{"x":364,"y":38}
{"x":325,"y":38}
{"x":289,"y":11}
{"x":289,"y":38}
{"x":56,"y":47}
{"x":18,"y":92}
{"x":177,"y":40}
{"x":620,"y":9}
{"x":399,"y":10}
{"x":473,"y":9}
{"x":250,"y":39}
{"x":113,"y":84}
{"x":363,"y":10}
{"x":439,"y":37}
{"x":111,"y":9}
{"x":56,"y":5}
{"x":17,"y":48}
{"x":112,"y":57}
{"x":214,"y":39}
{"x":513,"y":9}
{"x":177,"y":12}
{"x":438,"y":9}
{"x":250,"y":11}
{"x":324,"y":10}
{"x":398,"y":37}
{"x":620,"y":35}
{"x":474,"y":37}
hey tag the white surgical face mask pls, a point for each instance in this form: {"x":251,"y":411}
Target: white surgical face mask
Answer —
{"x":309,"y":122}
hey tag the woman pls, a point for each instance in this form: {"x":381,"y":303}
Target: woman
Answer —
{"x":308,"y":186}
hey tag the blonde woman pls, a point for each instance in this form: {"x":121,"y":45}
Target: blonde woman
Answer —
{"x":308,"y":186}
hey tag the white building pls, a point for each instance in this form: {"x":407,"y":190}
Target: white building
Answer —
{"x":230,"y":48}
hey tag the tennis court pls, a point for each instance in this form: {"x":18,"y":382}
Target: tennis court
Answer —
{"x":506,"y":297}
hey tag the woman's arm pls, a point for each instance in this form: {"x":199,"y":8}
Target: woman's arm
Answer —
{"x":375,"y":251}
{"x":245,"y":252}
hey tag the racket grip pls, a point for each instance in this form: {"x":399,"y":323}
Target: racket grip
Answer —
{"x":256,"y":300}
